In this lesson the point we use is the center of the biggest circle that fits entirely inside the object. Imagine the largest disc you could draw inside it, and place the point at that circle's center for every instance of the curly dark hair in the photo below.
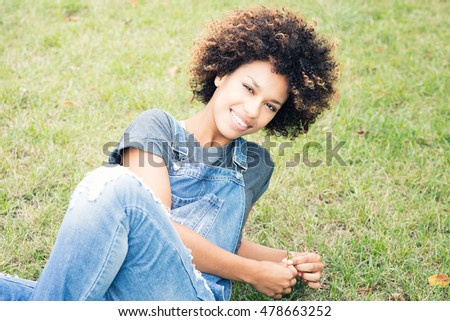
(282, 38)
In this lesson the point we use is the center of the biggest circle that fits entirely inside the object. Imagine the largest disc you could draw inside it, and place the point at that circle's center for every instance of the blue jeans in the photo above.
(116, 242)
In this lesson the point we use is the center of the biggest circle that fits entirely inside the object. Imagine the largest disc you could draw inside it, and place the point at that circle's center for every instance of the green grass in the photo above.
(74, 74)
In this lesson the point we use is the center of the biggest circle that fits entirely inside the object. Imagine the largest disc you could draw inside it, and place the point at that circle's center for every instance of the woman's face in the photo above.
(248, 99)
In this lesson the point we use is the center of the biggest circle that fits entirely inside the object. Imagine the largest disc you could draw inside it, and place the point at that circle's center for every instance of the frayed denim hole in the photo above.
(96, 181)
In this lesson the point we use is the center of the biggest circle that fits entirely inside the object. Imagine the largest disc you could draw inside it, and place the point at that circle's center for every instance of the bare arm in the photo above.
(269, 278)
(255, 251)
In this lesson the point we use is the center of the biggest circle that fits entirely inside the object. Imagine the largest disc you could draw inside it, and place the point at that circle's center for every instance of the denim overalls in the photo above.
(211, 201)
(116, 241)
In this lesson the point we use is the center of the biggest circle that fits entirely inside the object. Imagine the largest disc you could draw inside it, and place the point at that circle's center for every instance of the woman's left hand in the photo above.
(309, 267)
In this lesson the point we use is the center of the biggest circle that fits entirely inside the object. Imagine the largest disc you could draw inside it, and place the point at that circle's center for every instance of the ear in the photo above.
(218, 81)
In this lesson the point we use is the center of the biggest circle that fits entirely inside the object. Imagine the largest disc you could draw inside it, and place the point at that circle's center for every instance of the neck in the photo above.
(204, 128)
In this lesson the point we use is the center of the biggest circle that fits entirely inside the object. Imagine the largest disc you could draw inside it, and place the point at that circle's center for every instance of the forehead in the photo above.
(262, 72)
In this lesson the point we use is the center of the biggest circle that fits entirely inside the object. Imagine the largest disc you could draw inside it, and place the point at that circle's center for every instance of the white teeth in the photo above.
(238, 120)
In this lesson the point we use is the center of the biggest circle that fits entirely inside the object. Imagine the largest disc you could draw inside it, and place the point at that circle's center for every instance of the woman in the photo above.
(164, 221)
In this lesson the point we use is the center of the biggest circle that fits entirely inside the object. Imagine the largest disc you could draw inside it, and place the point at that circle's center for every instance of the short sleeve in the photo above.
(150, 132)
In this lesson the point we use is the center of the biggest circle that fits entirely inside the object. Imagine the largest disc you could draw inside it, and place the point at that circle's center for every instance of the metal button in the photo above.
(176, 167)
(238, 175)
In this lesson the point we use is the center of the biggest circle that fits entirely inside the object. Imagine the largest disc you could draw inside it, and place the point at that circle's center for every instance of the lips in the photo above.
(241, 122)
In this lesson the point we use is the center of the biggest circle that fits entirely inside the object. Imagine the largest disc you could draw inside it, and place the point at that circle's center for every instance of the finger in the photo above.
(310, 267)
(313, 285)
(293, 270)
(287, 290)
(287, 262)
(306, 258)
(312, 277)
(293, 282)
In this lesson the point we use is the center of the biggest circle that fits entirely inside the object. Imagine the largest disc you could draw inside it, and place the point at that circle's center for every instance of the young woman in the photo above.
(164, 220)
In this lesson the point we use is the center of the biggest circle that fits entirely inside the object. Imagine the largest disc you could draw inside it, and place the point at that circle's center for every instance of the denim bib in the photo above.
(209, 200)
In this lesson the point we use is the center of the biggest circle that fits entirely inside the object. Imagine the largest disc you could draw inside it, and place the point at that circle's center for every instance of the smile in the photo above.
(240, 121)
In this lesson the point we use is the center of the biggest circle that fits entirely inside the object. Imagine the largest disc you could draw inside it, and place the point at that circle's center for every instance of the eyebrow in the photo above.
(259, 87)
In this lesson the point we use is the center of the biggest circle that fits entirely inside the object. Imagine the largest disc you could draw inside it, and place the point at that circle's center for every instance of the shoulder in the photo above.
(152, 131)
(156, 113)
(155, 116)
(152, 122)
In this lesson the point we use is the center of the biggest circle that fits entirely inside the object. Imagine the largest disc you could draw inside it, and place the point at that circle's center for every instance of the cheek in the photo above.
(230, 95)
(263, 121)
(268, 117)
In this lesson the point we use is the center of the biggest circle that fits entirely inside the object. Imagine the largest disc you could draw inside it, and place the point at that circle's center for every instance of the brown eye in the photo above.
(249, 89)
(271, 107)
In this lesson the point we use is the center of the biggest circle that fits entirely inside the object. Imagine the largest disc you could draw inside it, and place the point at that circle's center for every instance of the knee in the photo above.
(113, 188)
(103, 178)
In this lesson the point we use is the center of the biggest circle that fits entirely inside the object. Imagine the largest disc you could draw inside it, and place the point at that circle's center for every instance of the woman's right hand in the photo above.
(273, 279)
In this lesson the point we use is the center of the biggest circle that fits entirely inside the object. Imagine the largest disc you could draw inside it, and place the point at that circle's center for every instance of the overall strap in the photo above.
(240, 154)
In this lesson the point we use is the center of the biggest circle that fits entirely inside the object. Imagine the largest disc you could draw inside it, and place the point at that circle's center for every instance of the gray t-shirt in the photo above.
(153, 132)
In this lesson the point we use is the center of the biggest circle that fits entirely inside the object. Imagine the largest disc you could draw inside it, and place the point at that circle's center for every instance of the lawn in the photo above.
(74, 74)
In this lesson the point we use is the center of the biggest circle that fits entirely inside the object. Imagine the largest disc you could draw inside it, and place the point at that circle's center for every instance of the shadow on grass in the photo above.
(245, 292)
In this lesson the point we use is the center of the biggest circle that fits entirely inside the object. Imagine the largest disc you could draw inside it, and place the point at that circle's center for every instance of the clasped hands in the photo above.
(277, 279)
(307, 266)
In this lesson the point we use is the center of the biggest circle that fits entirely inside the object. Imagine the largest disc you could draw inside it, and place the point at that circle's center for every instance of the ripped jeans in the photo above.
(116, 242)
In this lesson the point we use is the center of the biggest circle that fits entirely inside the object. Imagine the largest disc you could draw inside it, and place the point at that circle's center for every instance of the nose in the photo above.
(252, 108)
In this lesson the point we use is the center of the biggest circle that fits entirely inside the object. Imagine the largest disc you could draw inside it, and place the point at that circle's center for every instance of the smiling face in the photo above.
(246, 100)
